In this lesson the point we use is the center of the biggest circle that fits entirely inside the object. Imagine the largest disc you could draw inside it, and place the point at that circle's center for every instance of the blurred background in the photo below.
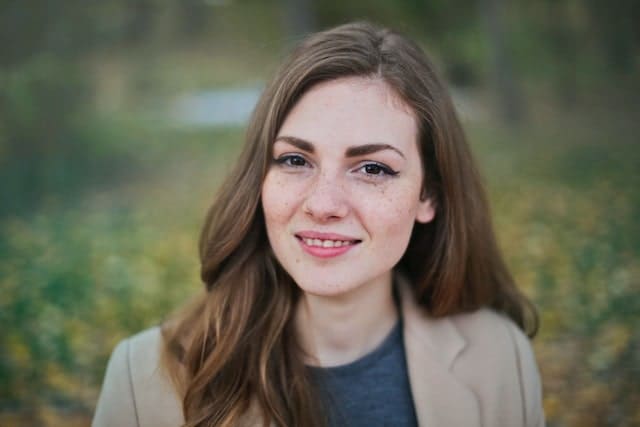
(118, 119)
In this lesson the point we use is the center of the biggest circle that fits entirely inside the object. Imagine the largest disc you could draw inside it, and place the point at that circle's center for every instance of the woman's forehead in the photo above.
(351, 111)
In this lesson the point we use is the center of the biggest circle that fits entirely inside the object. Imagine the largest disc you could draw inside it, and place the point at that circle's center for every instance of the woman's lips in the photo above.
(325, 245)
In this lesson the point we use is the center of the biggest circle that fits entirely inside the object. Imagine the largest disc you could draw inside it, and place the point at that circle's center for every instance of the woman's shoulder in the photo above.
(480, 337)
(493, 338)
(487, 328)
(143, 350)
(482, 351)
(497, 352)
(473, 334)
(136, 391)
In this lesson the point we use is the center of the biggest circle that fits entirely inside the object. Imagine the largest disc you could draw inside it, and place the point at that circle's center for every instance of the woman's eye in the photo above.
(292, 160)
(377, 169)
(373, 169)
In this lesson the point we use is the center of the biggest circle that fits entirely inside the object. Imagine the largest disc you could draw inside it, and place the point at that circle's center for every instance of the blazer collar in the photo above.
(432, 346)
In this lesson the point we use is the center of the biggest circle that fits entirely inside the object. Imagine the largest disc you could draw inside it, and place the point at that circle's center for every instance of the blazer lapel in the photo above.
(431, 346)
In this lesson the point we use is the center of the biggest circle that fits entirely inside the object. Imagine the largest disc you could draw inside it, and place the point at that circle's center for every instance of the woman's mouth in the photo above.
(325, 246)
(327, 243)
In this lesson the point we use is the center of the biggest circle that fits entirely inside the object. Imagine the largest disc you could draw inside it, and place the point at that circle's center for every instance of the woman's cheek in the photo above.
(280, 195)
(399, 220)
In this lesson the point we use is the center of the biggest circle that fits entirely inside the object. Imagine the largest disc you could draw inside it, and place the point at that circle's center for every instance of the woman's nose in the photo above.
(325, 200)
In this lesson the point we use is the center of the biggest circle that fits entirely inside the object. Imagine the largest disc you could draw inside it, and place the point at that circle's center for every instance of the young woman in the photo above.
(352, 275)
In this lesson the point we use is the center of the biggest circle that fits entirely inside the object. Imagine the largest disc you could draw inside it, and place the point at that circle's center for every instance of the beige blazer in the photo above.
(471, 370)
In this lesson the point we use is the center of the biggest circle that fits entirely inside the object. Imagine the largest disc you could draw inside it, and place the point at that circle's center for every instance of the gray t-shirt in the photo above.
(371, 391)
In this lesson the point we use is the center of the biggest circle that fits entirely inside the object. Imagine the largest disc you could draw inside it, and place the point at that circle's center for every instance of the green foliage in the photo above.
(52, 146)
(77, 277)
(565, 209)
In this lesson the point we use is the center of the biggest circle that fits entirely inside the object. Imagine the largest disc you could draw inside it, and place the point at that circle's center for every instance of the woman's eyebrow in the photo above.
(359, 150)
(362, 150)
(297, 142)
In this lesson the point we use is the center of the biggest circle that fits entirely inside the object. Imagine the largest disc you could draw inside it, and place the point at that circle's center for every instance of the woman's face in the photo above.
(343, 191)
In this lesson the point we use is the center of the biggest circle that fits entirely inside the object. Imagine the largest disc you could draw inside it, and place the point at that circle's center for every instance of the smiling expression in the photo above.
(343, 191)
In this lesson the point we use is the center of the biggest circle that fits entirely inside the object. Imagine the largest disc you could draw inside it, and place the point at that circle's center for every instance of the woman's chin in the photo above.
(327, 290)
(343, 289)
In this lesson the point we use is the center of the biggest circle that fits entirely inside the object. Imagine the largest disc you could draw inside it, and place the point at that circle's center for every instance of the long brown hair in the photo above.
(235, 349)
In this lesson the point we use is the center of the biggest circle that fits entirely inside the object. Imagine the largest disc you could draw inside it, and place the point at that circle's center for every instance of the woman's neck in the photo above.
(335, 330)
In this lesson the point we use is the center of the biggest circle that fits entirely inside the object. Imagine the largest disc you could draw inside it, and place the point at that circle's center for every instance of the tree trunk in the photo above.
(509, 95)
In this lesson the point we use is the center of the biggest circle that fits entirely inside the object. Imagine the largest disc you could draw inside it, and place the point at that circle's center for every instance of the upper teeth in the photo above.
(326, 243)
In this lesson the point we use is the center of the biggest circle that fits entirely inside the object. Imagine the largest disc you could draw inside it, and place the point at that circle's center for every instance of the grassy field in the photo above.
(79, 274)
(564, 191)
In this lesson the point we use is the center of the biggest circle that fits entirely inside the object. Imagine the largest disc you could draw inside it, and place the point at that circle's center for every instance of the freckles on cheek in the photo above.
(398, 214)
(274, 197)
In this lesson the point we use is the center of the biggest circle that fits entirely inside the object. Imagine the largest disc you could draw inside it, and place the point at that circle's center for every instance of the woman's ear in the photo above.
(426, 210)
